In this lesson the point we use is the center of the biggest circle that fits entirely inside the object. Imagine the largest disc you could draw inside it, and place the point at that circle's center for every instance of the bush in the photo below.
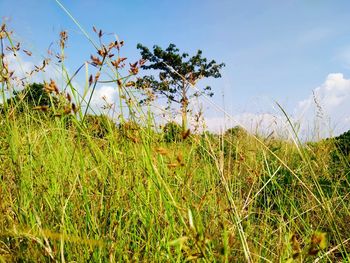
(343, 143)
(236, 131)
(33, 95)
(99, 125)
(172, 132)
(130, 130)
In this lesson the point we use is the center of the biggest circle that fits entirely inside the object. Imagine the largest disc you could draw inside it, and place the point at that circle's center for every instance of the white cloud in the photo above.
(327, 109)
(324, 113)
(104, 97)
(104, 100)
(22, 67)
(18, 65)
(256, 123)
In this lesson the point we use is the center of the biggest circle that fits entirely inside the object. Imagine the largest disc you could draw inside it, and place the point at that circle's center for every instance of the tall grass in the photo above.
(75, 188)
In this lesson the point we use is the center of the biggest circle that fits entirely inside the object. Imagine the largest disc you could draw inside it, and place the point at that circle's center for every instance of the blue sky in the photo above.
(273, 50)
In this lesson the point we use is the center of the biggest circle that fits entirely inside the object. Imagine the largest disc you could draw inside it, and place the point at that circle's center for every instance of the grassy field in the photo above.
(79, 188)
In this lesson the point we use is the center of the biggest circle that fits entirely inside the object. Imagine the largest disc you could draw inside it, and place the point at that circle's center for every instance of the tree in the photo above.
(33, 95)
(343, 143)
(235, 132)
(176, 74)
(172, 132)
(42, 97)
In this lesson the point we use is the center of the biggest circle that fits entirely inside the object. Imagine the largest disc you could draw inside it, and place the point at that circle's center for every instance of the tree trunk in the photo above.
(184, 105)
(184, 118)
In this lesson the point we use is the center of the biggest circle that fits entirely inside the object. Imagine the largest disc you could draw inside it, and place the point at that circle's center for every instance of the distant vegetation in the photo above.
(343, 143)
(81, 187)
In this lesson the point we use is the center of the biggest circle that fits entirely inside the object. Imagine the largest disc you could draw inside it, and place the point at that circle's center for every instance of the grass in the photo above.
(77, 188)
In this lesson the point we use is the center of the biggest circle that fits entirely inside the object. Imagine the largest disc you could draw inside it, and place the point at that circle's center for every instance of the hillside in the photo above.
(127, 194)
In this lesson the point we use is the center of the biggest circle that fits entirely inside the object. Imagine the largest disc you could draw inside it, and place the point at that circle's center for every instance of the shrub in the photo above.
(235, 132)
(343, 143)
(99, 125)
(129, 130)
(33, 95)
(172, 132)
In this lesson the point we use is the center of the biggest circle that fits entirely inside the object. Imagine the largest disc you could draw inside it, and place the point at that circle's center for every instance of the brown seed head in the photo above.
(134, 139)
(69, 98)
(42, 108)
(295, 243)
(118, 63)
(313, 251)
(27, 52)
(180, 158)
(90, 80)
(63, 38)
(134, 68)
(54, 86)
(97, 76)
(102, 52)
(74, 108)
(162, 151)
(130, 84)
(48, 88)
(142, 62)
(95, 61)
(172, 165)
(185, 134)
(2, 35)
(67, 109)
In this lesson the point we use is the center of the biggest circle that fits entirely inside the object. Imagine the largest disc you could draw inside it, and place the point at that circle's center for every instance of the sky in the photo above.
(295, 53)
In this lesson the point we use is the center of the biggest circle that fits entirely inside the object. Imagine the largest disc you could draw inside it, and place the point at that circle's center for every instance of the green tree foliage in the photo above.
(340, 157)
(99, 126)
(343, 143)
(235, 132)
(130, 130)
(172, 132)
(176, 73)
(33, 95)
